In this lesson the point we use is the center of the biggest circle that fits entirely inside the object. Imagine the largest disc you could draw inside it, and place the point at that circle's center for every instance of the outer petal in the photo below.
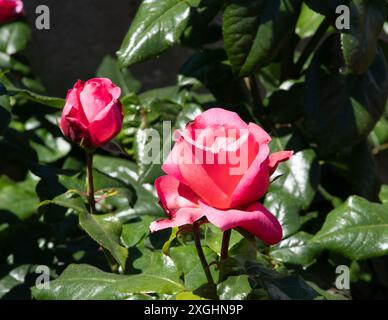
(254, 184)
(218, 116)
(174, 195)
(171, 165)
(96, 96)
(182, 217)
(107, 124)
(256, 219)
(276, 158)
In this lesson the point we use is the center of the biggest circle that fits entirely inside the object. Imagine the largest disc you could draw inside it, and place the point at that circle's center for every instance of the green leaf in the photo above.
(213, 238)
(286, 210)
(359, 43)
(134, 232)
(84, 282)
(48, 147)
(57, 103)
(358, 229)
(384, 194)
(14, 37)
(19, 199)
(255, 31)
(308, 22)
(14, 280)
(106, 231)
(157, 26)
(294, 189)
(187, 262)
(110, 68)
(8, 62)
(146, 202)
(234, 288)
(341, 110)
(297, 249)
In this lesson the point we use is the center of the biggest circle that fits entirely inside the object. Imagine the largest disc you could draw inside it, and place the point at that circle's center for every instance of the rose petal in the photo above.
(254, 184)
(107, 124)
(218, 116)
(276, 158)
(182, 217)
(174, 195)
(256, 219)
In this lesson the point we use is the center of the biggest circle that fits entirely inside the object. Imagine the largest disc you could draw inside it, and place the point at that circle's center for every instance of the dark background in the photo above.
(82, 33)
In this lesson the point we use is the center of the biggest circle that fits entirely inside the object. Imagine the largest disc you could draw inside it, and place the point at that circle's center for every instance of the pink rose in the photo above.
(10, 10)
(205, 180)
(93, 114)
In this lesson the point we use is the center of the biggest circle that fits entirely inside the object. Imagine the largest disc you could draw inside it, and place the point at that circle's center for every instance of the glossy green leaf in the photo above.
(157, 26)
(341, 110)
(146, 202)
(213, 238)
(359, 43)
(234, 288)
(106, 231)
(299, 177)
(357, 229)
(187, 262)
(286, 210)
(255, 31)
(41, 99)
(134, 232)
(308, 22)
(14, 37)
(84, 282)
(297, 249)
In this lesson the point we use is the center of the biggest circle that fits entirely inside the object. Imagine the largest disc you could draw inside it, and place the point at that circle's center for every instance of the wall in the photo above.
(82, 33)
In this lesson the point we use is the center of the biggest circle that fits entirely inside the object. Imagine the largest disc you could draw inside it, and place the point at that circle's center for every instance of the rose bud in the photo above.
(93, 114)
(10, 10)
(204, 180)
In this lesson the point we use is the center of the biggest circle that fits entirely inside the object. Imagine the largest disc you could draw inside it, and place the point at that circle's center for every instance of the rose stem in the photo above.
(201, 255)
(90, 185)
(224, 252)
(225, 244)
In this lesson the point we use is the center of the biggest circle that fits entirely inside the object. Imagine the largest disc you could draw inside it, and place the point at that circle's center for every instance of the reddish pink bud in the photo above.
(93, 114)
(10, 10)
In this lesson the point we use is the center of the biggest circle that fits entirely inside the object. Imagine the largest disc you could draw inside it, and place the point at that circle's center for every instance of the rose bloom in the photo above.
(202, 179)
(10, 10)
(93, 114)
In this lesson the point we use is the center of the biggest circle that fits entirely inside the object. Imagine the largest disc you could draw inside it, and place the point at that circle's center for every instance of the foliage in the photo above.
(280, 63)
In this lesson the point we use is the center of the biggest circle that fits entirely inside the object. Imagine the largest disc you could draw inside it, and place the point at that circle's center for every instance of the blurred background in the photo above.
(100, 26)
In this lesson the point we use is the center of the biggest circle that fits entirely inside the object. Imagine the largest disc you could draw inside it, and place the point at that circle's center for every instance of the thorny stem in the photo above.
(201, 255)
